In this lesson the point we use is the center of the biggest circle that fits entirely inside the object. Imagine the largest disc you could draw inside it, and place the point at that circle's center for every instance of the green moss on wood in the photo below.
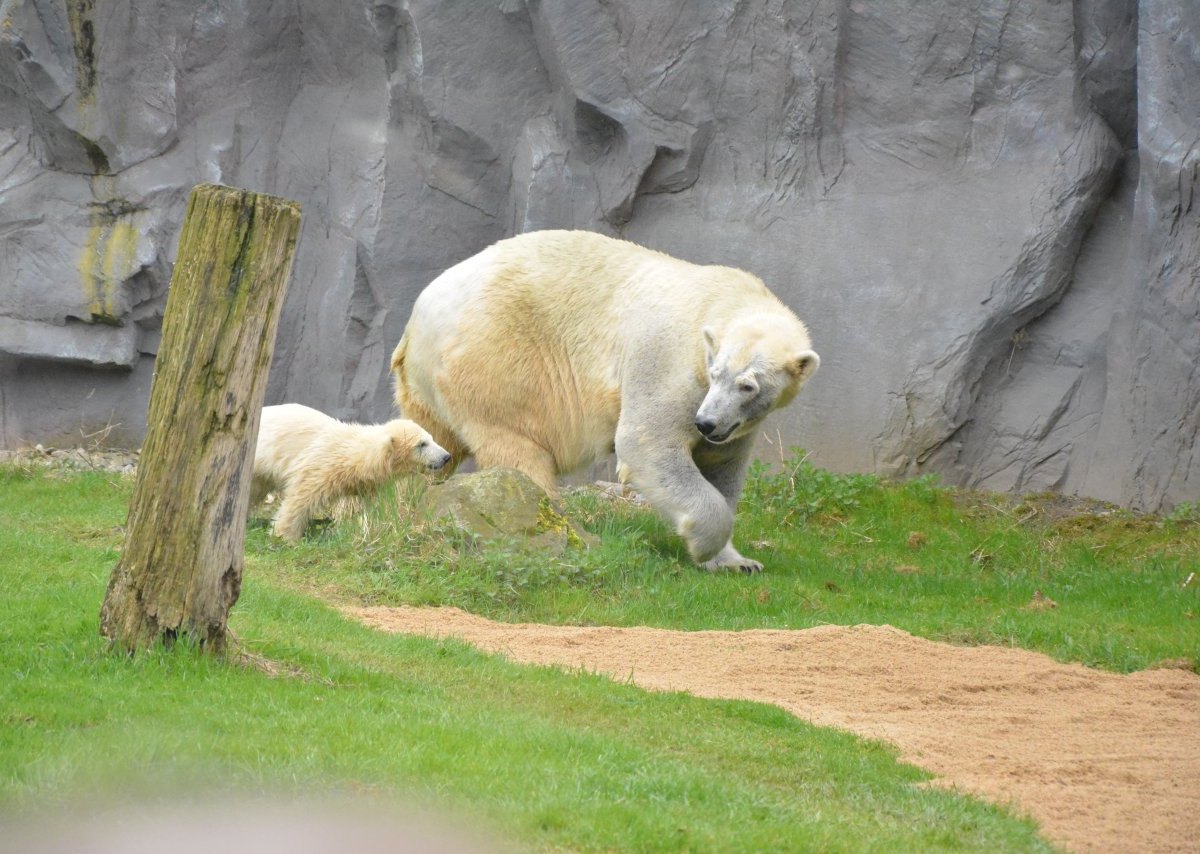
(180, 571)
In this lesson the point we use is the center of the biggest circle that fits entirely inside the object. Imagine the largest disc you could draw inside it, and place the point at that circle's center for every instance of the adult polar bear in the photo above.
(546, 351)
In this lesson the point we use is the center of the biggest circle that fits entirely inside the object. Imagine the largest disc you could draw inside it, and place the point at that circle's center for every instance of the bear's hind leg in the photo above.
(519, 452)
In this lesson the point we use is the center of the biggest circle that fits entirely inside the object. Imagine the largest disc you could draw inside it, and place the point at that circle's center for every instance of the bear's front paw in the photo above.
(729, 560)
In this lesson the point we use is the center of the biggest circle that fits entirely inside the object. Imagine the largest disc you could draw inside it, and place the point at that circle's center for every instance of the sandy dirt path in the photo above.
(1105, 762)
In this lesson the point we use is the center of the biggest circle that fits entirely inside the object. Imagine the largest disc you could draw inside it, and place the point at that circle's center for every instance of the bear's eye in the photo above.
(422, 445)
(747, 387)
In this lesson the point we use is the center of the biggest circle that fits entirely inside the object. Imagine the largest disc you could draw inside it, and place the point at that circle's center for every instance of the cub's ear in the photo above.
(803, 365)
(710, 345)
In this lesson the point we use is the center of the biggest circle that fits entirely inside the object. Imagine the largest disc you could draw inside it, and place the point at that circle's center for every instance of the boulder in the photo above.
(501, 504)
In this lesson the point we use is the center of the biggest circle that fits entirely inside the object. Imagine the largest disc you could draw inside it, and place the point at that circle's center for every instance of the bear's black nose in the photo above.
(705, 426)
(445, 458)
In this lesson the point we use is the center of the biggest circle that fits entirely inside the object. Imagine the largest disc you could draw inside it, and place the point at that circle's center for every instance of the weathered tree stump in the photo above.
(181, 568)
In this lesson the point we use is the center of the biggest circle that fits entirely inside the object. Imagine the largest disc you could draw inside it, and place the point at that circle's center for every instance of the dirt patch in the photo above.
(1104, 761)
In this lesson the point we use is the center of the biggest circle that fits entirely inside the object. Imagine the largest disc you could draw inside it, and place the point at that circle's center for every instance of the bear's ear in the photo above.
(710, 345)
(803, 365)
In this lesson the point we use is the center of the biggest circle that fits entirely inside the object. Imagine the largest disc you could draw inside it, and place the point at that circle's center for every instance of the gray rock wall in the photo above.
(982, 209)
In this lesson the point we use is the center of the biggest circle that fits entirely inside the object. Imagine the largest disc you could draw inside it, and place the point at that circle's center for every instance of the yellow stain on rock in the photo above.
(108, 257)
(7, 24)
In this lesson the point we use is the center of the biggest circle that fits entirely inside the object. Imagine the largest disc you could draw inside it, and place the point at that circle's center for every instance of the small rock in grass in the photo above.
(1041, 602)
(618, 491)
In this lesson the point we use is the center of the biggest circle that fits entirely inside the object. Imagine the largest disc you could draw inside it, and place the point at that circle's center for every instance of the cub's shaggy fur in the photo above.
(309, 459)
(546, 351)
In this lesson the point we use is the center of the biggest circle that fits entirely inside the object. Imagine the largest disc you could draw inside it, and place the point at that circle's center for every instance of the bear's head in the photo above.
(412, 448)
(755, 365)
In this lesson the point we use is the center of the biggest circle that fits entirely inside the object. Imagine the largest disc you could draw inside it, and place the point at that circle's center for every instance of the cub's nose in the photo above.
(705, 425)
(440, 462)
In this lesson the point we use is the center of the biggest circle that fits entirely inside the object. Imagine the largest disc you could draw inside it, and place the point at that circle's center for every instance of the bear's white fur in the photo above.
(547, 351)
(309, 459)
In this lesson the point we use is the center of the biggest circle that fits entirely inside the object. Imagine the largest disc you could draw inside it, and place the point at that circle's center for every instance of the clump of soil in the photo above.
(1103, 761)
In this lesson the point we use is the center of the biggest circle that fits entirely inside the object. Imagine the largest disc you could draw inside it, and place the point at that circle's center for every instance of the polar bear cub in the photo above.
(550, 350)
(310, 459)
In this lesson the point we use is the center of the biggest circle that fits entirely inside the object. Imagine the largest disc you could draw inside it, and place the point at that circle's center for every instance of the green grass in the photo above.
(842, 549)
(551, 759)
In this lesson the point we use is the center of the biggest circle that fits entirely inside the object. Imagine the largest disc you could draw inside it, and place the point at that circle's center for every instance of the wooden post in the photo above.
(181, 568)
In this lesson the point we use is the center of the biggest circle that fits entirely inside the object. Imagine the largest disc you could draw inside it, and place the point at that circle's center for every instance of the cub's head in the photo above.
(755, 365)
(413, 449)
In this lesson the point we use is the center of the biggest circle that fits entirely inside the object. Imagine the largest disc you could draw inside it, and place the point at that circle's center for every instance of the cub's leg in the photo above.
(303, 495)
(259, 488)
